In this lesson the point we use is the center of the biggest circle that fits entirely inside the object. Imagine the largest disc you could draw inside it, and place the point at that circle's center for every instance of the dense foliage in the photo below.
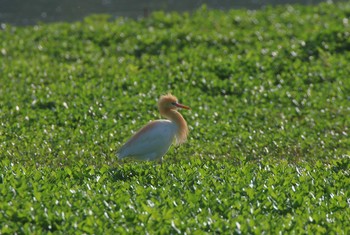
(269, 127)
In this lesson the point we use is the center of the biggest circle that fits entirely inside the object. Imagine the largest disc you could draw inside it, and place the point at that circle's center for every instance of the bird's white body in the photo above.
(151, 142)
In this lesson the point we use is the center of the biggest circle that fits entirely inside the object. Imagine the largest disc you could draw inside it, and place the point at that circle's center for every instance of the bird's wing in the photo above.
(155, 135)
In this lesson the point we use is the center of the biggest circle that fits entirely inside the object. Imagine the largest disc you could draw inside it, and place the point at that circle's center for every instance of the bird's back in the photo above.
(150, 142)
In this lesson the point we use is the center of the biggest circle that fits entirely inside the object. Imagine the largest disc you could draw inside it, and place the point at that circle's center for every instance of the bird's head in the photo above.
(169, 102)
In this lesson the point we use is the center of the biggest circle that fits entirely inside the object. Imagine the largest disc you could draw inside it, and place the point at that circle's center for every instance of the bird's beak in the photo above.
(182, 106)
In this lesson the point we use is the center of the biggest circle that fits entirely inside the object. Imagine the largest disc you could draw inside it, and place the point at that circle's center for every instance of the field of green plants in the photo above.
(269, 145)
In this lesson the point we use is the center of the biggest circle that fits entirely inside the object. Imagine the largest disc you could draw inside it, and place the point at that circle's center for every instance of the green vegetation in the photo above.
(269, 126)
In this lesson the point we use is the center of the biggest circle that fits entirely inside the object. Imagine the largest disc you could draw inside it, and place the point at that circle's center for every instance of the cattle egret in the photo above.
(152, 141)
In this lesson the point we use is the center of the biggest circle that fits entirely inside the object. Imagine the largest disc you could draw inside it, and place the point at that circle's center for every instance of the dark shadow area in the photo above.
(19, 12)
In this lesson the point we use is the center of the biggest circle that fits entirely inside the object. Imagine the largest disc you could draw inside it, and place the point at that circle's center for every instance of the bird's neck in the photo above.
(177, 118)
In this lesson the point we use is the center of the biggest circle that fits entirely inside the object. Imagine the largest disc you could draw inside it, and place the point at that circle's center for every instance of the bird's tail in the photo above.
(120, 154)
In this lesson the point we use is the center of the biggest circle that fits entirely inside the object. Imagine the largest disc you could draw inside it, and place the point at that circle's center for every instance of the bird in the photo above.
(153, 141)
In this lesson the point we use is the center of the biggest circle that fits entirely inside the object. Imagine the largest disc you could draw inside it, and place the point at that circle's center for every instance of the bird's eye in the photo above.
(173, 103)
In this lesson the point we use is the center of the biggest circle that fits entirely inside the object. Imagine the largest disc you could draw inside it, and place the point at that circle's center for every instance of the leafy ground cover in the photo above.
(269, 142)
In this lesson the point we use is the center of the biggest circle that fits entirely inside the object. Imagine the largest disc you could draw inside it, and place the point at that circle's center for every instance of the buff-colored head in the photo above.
(169, 102)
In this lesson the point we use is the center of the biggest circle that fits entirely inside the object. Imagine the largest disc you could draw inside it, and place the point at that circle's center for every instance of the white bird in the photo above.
(152, 141)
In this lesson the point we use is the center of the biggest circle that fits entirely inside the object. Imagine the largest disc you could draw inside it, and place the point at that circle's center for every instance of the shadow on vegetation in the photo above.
(341, 165)
(45, 105)
(120, 173)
